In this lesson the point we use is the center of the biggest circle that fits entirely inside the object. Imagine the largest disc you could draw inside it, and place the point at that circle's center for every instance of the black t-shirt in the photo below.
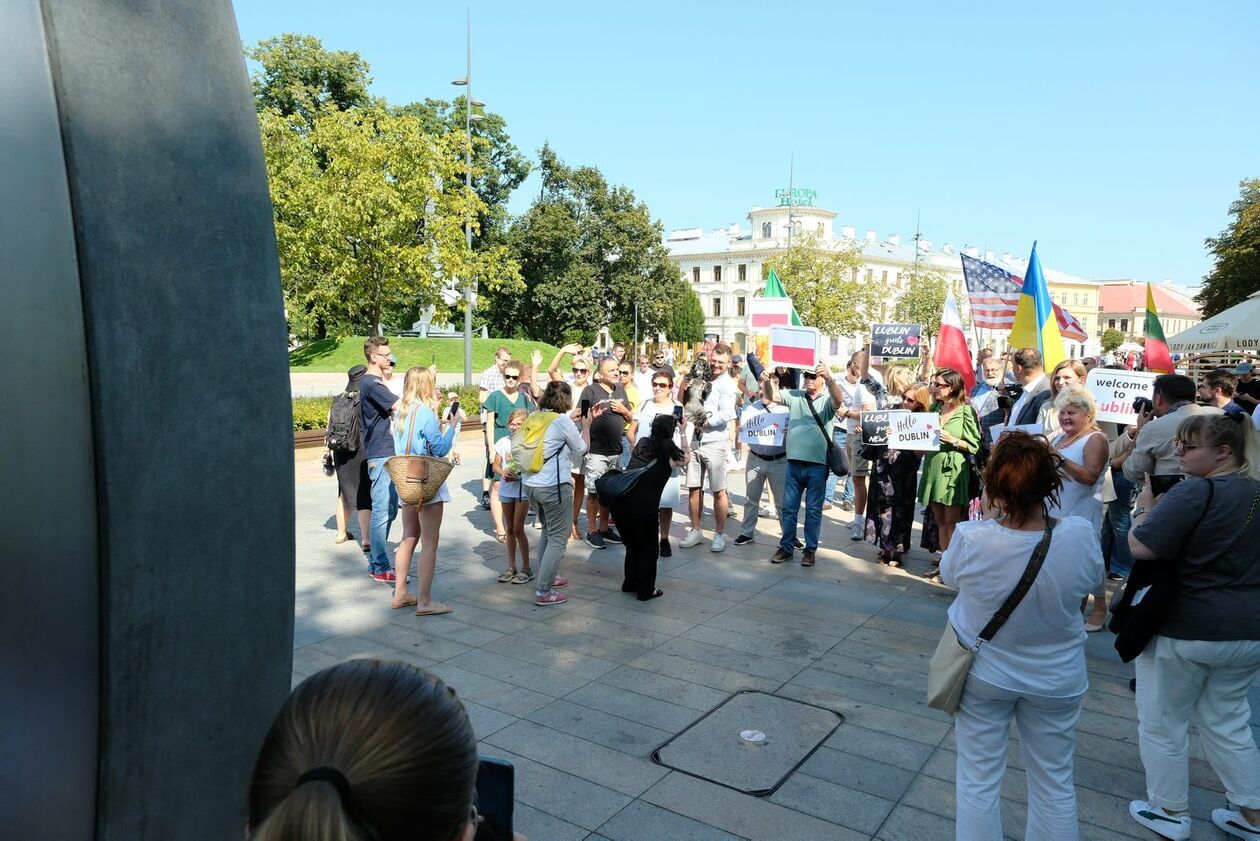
(375, 401)
(1251, 389)
(664, 369)
(645, 496)
(607, 429)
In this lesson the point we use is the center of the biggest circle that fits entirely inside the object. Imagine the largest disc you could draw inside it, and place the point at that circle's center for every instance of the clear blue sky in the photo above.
(1114, 133)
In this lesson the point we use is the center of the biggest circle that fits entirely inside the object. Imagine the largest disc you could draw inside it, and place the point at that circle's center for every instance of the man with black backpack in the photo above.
(347, 455)
(376, 406)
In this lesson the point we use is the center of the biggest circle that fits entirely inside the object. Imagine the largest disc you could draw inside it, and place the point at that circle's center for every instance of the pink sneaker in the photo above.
(544, 599)
(383, 577)
(560, 581)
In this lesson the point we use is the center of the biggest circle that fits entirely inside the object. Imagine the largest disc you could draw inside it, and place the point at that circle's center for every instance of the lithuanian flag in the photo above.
(1155, 351)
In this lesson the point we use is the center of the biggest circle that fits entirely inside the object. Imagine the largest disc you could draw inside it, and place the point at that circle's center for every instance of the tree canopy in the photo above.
(923, 302)
(1111, 339)
(826, 287)
(298, 76)
(588, 252)
(686, 322)
(1236, 274)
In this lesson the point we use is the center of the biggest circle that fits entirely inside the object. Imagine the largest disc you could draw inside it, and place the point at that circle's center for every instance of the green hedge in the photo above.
(312, 412)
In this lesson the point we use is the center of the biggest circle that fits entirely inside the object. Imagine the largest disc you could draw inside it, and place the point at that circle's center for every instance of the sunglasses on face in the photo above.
(660, 385)
(580, 370)
(511, 378)
(627, 373)
(807, 375)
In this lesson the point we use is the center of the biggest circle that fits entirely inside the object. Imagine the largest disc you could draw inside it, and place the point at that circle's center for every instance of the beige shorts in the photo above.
(711, 457)
(595, 466)
(858, 466)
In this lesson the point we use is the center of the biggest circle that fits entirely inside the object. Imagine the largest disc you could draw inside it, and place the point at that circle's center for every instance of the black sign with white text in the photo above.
(896, 341)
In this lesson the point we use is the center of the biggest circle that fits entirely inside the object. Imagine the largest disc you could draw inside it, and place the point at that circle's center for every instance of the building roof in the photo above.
(1130, 296)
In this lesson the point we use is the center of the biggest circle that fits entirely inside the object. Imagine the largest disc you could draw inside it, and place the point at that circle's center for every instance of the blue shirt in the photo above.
(375, 404)
(426, 436)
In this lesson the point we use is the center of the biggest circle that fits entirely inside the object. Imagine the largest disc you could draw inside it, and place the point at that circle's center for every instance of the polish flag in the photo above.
(795, 347)
(767, 312)
(951, 345)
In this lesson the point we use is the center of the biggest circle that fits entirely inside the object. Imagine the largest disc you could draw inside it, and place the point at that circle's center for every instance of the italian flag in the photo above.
(951, 347)
(1155, 351)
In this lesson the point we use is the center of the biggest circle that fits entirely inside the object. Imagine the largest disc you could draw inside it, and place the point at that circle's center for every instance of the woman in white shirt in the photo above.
(1033, 670)
(662, 402)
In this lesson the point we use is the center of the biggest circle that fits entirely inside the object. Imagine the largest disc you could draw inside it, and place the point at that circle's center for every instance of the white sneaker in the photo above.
(719, 543)
(1233, 823)
(764, 511)
(693, 537)
(1154, 818)
(858, 530)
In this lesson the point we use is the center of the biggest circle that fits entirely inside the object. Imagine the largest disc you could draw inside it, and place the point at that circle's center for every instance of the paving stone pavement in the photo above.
(579, 695)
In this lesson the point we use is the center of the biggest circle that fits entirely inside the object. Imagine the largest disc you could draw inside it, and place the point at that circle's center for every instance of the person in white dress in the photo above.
(1084, 449)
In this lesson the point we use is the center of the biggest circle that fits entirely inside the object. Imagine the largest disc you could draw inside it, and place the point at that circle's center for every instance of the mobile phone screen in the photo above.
(586, 406)
(495, 784)
(678, 413)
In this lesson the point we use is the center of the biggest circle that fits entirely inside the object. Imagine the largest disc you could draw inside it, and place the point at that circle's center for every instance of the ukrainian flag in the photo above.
(1035, 324)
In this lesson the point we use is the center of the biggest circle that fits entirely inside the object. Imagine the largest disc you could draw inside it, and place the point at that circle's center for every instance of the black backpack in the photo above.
(344, 432)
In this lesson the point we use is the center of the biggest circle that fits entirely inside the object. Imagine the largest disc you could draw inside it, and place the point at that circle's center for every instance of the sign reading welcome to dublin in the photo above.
(796, 196)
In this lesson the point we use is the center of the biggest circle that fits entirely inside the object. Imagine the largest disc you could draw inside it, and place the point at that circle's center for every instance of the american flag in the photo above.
(993, 294)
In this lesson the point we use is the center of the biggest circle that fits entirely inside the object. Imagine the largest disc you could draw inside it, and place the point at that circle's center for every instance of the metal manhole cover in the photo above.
(750, 742)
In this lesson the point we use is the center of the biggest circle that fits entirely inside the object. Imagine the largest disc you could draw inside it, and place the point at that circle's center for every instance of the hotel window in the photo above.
(884, 278)
(765, 230)
(1124, 325)
(717, 274)
(1111, 324)
(739, 305)
(695, 275)
(717, 307)
(743, 274)
(870, 275)
(1076, 299)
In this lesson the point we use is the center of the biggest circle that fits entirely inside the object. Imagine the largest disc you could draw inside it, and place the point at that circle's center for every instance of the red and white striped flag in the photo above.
(951, 346)
(993, 294)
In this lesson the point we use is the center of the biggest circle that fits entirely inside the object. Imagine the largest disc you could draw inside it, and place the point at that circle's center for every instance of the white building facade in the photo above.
(726, 268)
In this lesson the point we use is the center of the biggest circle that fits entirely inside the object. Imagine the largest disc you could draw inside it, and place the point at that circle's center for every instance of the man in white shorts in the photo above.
(710, 448)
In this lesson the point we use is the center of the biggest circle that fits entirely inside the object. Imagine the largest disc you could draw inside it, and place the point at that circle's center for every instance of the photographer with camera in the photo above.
(1149, 442)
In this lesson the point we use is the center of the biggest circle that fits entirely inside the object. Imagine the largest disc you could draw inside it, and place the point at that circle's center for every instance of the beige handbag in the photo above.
(417, 478)
(951, 662)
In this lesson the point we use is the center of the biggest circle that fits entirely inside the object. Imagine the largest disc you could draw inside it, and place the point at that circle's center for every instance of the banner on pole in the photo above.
(1114, 391)
(794, 347)
(916, 431)
(896, 341)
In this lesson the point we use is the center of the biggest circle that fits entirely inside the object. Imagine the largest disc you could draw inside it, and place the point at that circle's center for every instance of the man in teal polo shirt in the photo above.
(807, 458)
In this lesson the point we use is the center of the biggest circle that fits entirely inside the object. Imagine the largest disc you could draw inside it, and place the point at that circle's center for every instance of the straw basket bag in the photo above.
(417, 478)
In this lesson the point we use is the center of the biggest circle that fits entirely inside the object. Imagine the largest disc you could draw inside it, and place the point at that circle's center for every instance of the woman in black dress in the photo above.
(894, 479)
(636, 512)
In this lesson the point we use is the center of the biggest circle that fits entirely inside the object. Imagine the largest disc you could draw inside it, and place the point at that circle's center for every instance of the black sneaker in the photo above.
(780, 556)
(798, 543)
(612, 535)
(743, 540)
(807, 559)
(485, 500)
(595, 540)
(666, 551)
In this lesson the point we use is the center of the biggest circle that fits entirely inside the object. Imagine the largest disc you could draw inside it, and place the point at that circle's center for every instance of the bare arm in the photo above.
(553, 370)
(1095, 462)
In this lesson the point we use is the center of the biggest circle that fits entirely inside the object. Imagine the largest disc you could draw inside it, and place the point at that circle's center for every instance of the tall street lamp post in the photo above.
(470, 284)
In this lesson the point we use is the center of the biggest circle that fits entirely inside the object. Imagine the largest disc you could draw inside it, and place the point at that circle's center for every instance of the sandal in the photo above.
(500, 536)
(343, 537)
(656, 594)
(407, 602)
(435, 609)
(506, 576)
(895, 563)
(523, 577)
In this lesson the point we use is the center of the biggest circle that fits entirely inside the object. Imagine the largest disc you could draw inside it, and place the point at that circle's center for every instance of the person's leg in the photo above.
(579, 493)
(815, 486)
(516, 526)
(982, 728)
(402, 556)
(721, 505)
(509, 542)
(342, 514)
(496, 510)
(382, 514)
(777, 475)
(947, 516)
(596, 513)
(645, 563)
(488, 475)
(1047, 738)
(1223, 716)
(754, 483)
(430, 534)
(553, 506)
(793, 485)
(666, 518)
(1168, 688)
(365, 522)
(1120, 513)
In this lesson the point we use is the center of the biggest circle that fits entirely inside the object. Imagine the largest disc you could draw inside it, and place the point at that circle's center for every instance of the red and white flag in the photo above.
(764, 313)
(951, 345)
(794, 347)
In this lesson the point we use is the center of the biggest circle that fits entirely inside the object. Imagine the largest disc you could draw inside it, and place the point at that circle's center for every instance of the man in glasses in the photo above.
(660, 364)
(491, 381)
(643, 377)
(606, 411)
(376, 405)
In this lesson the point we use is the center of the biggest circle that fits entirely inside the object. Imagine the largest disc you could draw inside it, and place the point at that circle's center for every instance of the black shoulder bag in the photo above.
(837, 457)
(1148, 595)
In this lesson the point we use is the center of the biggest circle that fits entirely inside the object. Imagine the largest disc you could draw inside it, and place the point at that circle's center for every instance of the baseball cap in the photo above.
(737, 360)
(1244, 368)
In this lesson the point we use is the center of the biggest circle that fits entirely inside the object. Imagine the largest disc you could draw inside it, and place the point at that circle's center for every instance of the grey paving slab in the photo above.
(534, 823)
(906, 822)
(832, 802)
(557, 793)
(729, 658)
(554, 654)
(799, 639)
(606, 629)
(626, 704)
(872, 716)
(580, 757)
(684, 693)
(486, 720)
(684, 668)
(799, 652)
(642, 821)
(491, 692)
(517, 672)
(859, 773)
(600, 727)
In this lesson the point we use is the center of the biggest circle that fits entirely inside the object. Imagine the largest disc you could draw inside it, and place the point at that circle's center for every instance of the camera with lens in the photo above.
(1008, 395)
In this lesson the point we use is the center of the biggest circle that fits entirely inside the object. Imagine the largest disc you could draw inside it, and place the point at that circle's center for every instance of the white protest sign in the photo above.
(1115, 390)
(764, 428)
(916, 431)
(794, 347)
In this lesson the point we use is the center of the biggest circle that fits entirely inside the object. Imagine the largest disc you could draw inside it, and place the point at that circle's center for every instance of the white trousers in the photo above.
(1206, 680)
(1047, 739)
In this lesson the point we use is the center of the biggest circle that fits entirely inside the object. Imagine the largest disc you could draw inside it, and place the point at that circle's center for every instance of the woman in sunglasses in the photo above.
(498, 408)
(944, 486)
(662, 402)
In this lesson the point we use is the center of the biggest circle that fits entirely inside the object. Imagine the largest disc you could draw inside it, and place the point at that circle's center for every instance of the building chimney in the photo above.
(734, 229)
(848, 232)
(870, 236)
(971, 251)
(894, 239)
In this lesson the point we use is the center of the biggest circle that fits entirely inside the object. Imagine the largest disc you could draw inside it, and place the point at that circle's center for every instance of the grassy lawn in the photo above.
(339, 355)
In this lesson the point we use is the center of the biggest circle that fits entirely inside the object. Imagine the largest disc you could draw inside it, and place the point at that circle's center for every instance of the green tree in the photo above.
(924, 299)
(1111, 339)
(588, 252)
(1236, 274)
(686, 323)
(365, 231)
(826, 286)
(298, 76)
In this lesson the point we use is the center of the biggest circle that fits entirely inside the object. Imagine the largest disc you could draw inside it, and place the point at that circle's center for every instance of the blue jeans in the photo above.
(384, 509)
(841, 438)
(1116, 526)
(809, 480)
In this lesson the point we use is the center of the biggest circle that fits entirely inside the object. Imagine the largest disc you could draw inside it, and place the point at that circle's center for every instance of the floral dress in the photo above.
(890, 504)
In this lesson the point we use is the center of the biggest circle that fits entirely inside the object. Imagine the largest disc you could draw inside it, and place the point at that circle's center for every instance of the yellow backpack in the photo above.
(527, 441)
